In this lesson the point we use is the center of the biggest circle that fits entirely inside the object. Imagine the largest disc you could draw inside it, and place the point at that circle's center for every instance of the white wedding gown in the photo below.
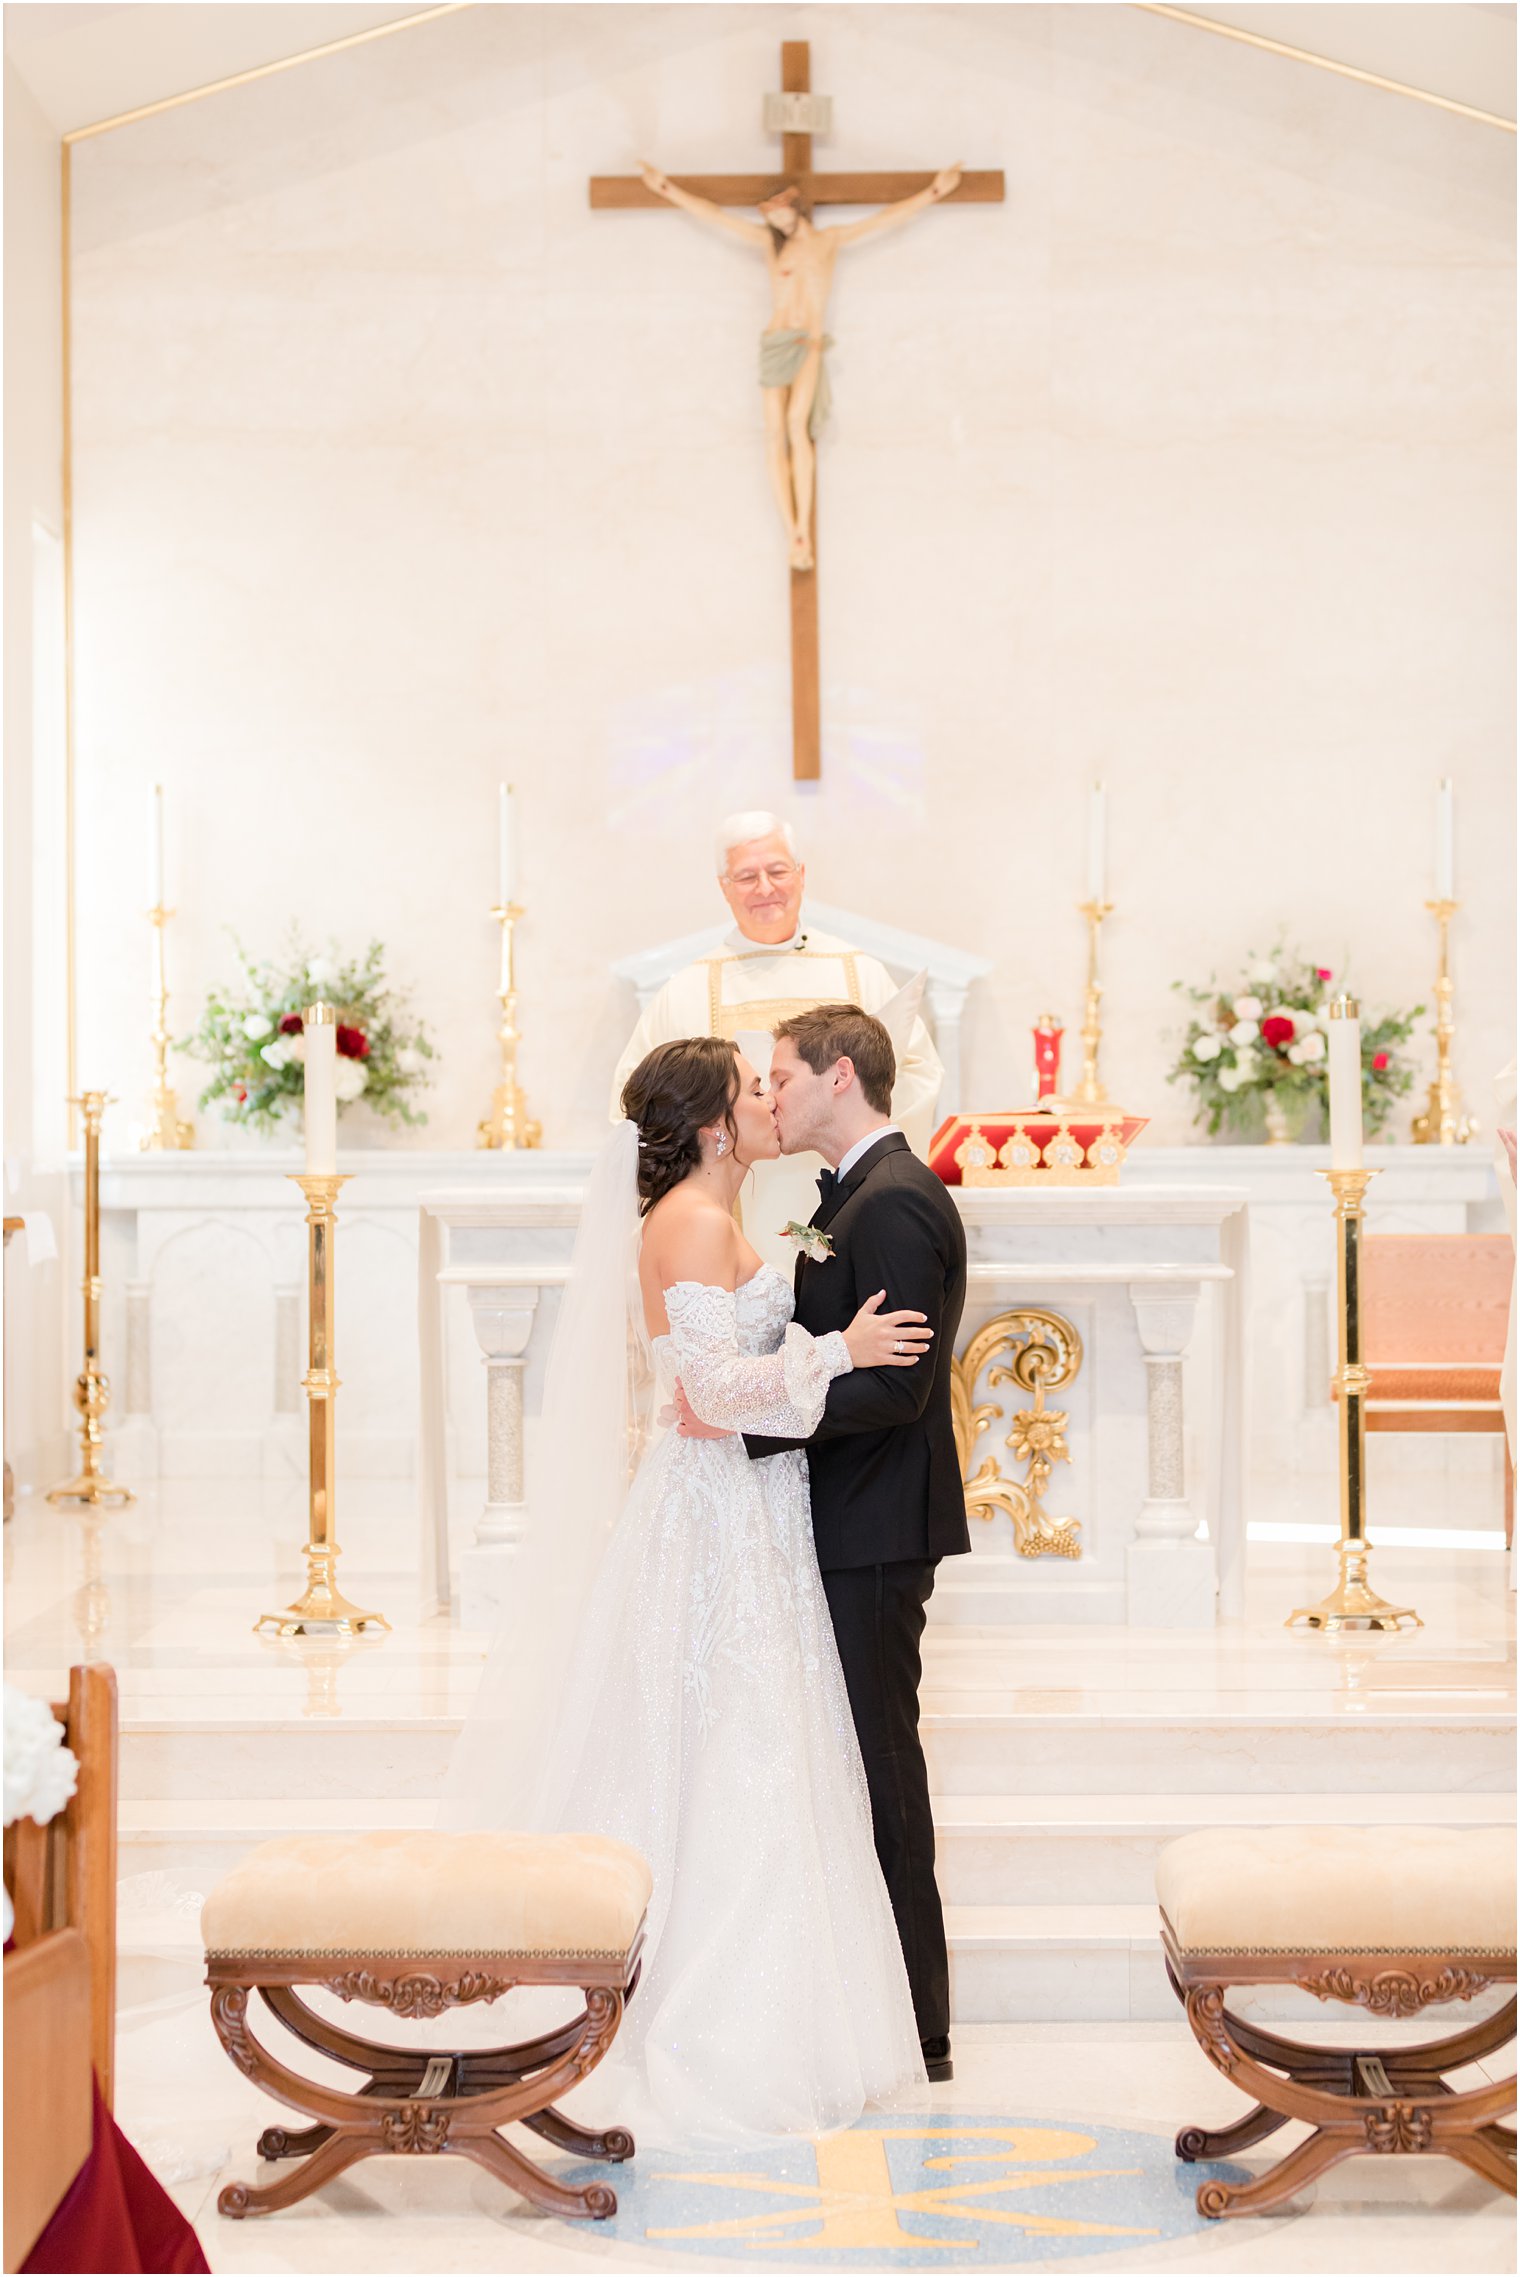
(707, 1724)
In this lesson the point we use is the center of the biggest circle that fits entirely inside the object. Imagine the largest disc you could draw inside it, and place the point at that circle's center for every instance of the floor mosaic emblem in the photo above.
(939, 2191)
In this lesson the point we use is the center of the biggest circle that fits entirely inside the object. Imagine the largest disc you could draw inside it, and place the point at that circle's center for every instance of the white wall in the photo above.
(33, 1126)
(399, 470)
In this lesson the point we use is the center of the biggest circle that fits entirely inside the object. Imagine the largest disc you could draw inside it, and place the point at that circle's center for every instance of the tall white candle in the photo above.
(156, 848)
(1345, 1040)
(320, 1028)
(1097, 864)
(1446, 841)
(507, 847)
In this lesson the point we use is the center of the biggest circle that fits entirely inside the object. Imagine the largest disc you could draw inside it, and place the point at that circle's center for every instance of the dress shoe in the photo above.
(937, 2059)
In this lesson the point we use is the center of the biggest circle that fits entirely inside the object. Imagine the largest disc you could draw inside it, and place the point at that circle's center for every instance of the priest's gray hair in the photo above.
(751, 823)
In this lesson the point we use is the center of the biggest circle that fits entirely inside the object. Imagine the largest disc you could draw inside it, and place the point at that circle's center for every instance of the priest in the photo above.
(769, 967)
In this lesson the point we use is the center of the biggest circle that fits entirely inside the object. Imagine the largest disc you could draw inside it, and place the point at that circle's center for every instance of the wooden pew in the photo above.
(60, 1976)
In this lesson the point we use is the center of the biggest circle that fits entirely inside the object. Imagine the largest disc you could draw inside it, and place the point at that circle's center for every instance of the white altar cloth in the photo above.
(1128, 1265)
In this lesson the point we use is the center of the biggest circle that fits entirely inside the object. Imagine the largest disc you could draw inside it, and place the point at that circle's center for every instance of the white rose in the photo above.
(352, 1076)
(1207, 1048)
(1244, 1030)
(40, 1773)
(1296, 1054)
(1262, 975)
(1313, 1046)
(295, 1047)
(255, 1026)
(410, 1062)
(1245, 1066)
(320, 970)
(276, 1054)
(1229, 1079)
(1248, 1007)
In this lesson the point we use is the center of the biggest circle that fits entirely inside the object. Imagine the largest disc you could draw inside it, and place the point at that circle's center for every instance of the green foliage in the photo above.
(257, 1075)
(1265, 1036)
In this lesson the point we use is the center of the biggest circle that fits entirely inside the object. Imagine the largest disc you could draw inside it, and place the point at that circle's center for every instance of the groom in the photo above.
(887, 1497)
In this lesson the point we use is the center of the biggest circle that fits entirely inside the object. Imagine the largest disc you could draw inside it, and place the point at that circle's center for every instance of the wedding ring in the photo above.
(898, 1346)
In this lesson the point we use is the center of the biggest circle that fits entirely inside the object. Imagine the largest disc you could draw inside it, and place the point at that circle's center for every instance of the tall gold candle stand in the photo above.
(1441, 1121)
(1090, 1092)
(92, 1390)
(168, 1133)
(1353, 1603)
(322, 1610)
(509, 1124)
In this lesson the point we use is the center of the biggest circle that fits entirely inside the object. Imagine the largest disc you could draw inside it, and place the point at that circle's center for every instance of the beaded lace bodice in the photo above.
(742, 1361)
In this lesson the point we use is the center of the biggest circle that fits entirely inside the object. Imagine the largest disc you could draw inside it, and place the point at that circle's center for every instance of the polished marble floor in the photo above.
(1074, 2096)
(228, 1737)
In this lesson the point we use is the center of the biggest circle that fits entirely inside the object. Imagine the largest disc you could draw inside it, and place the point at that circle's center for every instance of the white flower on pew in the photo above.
(40, 1772)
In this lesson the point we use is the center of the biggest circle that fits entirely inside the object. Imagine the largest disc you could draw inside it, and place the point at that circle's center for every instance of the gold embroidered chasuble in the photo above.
(743, 987)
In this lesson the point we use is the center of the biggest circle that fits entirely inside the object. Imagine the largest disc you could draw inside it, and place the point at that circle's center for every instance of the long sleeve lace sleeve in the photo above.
(778, 1394)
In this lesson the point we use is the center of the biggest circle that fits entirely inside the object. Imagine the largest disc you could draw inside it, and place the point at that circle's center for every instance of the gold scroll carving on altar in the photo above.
(1036, 1352)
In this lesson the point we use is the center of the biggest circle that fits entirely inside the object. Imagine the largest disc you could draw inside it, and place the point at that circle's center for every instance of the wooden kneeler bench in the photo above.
(417, 1924)
(1389, 1919)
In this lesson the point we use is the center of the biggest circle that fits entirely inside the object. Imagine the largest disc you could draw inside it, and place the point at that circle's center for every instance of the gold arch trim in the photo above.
(1325, 63)
(266, 70)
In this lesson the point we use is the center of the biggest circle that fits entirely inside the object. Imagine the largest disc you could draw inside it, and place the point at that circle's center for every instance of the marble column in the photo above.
(503, 1322)
(1169, 1575)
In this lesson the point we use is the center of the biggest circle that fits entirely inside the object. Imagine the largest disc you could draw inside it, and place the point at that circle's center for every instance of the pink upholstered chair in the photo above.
(1435, 1311)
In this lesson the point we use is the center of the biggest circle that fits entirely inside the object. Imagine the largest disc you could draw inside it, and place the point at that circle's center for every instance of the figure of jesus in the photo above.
(795, 382)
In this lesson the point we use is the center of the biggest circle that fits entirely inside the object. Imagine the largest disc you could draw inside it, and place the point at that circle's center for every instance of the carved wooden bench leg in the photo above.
(1357, 2100)
(324, 2165)
(1217, 2200)
(597, 2201)
(615, 2145)
(1195, 2143)
(420, 2101)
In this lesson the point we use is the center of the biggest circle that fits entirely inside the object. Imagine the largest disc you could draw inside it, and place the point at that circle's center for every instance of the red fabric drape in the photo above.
(115, 2216)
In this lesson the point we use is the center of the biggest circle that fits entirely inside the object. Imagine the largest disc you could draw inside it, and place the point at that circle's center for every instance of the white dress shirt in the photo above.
(848, 1161)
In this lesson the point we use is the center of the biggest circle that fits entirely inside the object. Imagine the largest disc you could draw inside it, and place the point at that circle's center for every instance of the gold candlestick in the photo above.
(1441, 1121)
(1353, 1603)
(322, 1610)
(509, 1124)
(92, 1390)
(1090, 1092)
(168, 1132)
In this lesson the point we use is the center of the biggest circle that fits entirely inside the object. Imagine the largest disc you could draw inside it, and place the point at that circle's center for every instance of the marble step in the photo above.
(971, 1751)
(1102, 1849)
(992, 1849)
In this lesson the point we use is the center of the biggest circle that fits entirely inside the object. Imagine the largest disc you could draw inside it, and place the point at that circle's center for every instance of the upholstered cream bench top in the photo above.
(564, 1897)
(1356, 1889)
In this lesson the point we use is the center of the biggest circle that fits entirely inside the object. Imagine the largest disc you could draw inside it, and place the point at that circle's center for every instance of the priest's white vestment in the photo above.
(748, 986)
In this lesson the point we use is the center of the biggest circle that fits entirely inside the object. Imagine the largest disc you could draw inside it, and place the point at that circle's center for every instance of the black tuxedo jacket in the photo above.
(885, 1476)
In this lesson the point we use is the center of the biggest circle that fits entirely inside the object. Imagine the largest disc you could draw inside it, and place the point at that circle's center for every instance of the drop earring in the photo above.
(721, 1139)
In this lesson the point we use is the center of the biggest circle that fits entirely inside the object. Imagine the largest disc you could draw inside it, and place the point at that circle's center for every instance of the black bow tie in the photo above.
(827, 1181)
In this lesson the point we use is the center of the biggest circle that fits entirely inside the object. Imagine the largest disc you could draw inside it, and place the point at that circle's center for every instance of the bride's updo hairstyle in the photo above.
(670, 1095)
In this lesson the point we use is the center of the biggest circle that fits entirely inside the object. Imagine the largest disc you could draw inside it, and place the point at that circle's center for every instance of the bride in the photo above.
(668, 1674)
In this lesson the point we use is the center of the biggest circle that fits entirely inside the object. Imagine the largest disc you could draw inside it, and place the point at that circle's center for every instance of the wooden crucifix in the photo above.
(793, 347)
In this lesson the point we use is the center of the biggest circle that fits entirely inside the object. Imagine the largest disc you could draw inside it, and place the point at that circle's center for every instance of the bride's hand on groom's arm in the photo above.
(689, 1424)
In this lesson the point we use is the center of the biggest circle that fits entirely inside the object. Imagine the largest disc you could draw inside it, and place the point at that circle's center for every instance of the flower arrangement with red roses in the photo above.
(254, 1039)
(1258, 1051)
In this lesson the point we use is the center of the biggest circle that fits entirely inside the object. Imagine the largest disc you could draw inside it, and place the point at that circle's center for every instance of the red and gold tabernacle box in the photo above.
(1035, 1146)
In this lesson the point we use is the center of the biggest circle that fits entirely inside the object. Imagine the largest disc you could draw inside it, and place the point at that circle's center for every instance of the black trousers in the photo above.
(878, 1613)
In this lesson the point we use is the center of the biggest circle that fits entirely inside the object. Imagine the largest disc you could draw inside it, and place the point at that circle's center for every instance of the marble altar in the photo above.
(1161, 1539)
(203, 1265)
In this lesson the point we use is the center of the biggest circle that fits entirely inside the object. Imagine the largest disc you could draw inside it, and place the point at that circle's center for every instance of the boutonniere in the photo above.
(809, 1241)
